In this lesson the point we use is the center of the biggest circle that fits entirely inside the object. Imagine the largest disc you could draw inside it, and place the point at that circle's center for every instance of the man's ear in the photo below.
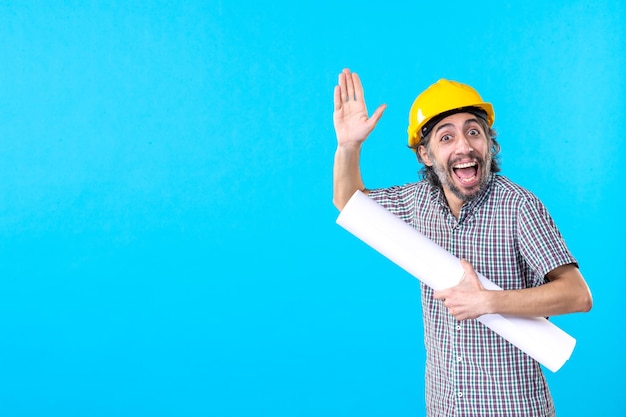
(424, 155)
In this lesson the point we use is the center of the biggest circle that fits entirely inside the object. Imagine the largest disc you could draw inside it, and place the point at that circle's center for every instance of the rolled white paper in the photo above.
(439, 269)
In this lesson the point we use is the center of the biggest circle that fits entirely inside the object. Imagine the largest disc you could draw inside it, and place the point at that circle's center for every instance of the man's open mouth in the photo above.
(466, 172)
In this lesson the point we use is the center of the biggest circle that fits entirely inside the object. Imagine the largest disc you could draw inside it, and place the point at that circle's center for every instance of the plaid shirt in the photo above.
(508, 236)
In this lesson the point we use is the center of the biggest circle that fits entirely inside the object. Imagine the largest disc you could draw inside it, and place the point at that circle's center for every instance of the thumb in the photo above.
(377, 114)
(468, 269)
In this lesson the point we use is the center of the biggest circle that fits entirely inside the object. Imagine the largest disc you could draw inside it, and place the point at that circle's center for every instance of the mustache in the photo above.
(473, 155)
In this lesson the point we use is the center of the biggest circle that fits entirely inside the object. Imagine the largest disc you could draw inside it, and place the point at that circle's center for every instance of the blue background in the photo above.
(168, 244)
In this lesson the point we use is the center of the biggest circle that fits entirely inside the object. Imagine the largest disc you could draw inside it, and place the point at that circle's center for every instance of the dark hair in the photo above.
(429, 174)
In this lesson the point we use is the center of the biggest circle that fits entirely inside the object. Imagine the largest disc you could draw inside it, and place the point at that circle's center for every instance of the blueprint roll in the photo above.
(439, 269)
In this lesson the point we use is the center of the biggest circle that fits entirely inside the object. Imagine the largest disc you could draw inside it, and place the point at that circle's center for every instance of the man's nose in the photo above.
(464, 145)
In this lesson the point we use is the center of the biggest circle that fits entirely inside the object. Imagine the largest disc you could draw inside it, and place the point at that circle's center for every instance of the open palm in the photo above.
(351, 121)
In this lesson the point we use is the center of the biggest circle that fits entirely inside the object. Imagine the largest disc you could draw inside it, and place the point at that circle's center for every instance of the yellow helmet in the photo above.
(442, 99)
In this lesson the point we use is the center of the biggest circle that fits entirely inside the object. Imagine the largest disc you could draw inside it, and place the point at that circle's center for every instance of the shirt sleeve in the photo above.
(540, 242)
(397, 199)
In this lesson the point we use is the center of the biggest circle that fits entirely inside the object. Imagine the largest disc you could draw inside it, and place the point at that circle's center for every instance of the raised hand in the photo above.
(351, 121)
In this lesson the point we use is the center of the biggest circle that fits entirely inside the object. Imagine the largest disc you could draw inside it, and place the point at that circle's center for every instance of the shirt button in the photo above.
(459, 359)
(460, 394)
(458, 327)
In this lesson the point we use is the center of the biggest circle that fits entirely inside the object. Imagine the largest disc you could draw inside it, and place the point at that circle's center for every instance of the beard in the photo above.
(444, 174)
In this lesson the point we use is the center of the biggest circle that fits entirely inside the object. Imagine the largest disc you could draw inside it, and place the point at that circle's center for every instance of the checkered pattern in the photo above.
(509, 237)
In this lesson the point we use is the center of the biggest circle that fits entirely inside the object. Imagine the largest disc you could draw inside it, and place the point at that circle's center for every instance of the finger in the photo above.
(465, 263)
(337, 99)
(439, 295)
(349, 85)
(468, 269)
(358, 87)
(343, 88)
(375, 117)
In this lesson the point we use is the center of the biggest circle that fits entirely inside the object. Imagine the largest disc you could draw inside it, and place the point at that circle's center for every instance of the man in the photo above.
(495, 227)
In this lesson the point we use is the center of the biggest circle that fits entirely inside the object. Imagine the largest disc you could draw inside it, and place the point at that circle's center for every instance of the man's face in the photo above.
(459, 154)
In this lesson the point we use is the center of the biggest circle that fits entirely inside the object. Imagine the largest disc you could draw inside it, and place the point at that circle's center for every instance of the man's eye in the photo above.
(473, 132)
(445, 138)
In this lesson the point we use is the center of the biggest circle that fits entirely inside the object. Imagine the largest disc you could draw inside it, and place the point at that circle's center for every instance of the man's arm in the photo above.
(565, 292)
(352, 127)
